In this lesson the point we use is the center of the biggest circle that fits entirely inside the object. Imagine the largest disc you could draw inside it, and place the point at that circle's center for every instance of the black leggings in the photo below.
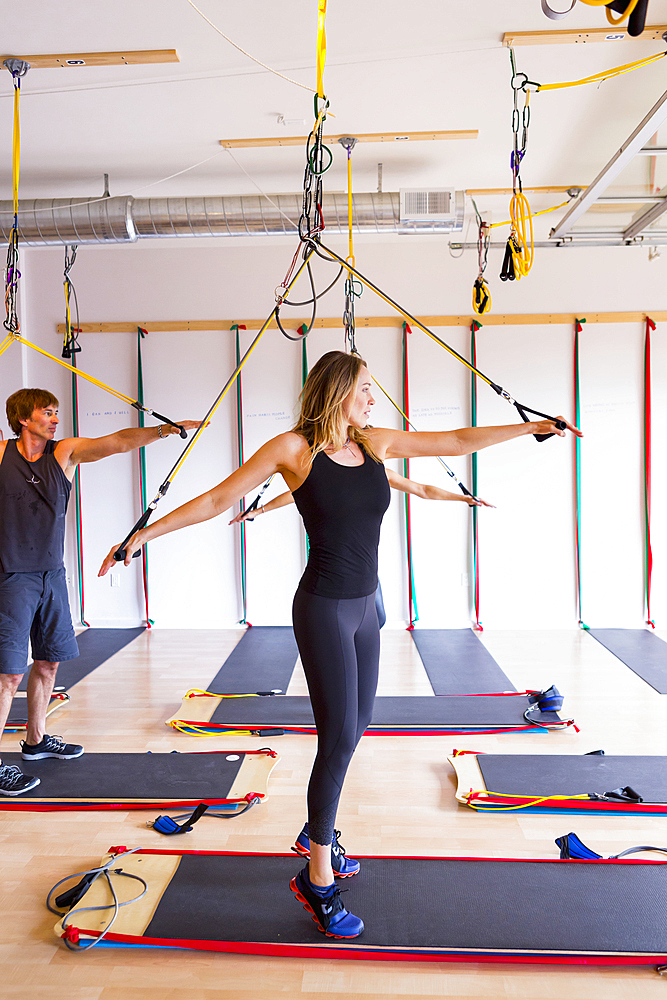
(339, 644)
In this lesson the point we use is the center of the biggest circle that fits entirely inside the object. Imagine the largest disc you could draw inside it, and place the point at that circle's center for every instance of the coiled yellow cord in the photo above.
(521, 237)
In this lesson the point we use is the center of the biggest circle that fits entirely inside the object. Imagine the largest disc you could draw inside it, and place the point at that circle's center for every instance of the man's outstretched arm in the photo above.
(75, 450)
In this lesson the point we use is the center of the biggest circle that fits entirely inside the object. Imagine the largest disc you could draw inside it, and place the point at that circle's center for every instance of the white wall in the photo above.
(526, 544)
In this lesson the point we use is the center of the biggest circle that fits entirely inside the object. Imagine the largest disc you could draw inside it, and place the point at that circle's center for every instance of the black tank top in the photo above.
(33, 504)
(342, 509)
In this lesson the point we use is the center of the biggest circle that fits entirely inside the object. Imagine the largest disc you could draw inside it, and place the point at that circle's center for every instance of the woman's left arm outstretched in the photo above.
(463, 441)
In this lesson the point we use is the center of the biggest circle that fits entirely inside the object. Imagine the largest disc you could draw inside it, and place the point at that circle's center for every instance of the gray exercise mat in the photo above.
(263, 660)
(125, 776)
(475, 905)
(457, 663)
(524, 774)
(96, 646)
(428, 711)
(641, 650)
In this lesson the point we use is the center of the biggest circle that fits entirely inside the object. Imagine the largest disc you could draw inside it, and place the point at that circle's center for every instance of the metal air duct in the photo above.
(126, 219)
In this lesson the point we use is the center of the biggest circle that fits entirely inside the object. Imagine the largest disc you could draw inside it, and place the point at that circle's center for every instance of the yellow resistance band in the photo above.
(393, 403)
(197, 433)
(626, 13)
(321, 46)
(605, 75)
(239, 367)
(16, 156)
(610, 17)
(77, 371)
(200, 693)
(350, 242)
(522, 229)
(533, 215)
(193, 730)
(479, 805)
(7, 342)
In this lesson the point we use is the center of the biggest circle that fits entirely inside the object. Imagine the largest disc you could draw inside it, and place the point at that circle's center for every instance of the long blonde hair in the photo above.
(321, 421)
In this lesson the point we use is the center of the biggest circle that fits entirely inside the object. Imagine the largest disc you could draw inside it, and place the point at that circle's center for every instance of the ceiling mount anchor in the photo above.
(105, 193)
(379, 178)
(17, 67)
(349, 142)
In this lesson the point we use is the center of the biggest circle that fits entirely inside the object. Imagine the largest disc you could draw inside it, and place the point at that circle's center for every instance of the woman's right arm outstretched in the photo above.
(282, 454)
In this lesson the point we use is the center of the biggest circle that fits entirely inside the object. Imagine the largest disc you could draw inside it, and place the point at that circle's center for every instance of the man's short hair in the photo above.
(22, 404)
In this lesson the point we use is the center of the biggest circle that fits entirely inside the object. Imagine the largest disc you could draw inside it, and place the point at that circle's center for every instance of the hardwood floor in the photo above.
(398, 799)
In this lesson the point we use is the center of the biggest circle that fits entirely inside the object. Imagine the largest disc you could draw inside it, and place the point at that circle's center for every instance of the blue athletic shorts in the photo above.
(35, 607)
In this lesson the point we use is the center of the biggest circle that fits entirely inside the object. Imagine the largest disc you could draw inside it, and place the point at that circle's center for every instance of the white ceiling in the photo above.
(391, 66)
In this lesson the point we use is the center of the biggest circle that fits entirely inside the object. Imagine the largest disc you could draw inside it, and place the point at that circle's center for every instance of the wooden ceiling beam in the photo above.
(651, 33)
(300, 140)
(126, 57)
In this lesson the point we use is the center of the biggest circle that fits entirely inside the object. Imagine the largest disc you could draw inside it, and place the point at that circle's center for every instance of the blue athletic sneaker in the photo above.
(326, 908)
(343, 867)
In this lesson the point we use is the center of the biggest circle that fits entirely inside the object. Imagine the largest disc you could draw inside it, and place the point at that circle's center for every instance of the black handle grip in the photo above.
(507, 270)
(253, 506)
(119, 554)
(560, 424)
(121, 551)
(183, 431)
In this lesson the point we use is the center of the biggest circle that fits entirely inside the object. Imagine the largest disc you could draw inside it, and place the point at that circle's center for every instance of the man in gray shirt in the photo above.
(36, 474)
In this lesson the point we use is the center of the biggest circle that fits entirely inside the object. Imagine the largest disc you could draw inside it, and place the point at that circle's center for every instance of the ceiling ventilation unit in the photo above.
(421, 208)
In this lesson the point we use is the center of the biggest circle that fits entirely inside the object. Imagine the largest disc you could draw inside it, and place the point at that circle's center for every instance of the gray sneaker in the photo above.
(14, 782)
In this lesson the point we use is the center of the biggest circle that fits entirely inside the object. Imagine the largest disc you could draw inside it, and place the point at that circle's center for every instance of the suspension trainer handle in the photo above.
(253, 506)
(121, 551)
(159, 416)
(523, 412)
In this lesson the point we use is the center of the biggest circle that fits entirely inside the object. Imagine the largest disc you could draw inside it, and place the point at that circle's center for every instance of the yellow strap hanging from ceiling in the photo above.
(350, 241)
(16, 157)
(321, 46)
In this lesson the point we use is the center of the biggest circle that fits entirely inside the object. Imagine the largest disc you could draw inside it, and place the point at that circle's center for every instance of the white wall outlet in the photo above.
(114, 579)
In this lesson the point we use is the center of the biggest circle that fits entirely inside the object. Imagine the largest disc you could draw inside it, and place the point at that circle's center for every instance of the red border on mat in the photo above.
(377, 954)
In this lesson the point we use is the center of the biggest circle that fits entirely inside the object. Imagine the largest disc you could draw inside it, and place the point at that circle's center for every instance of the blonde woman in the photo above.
(396, 482)
(332, 463)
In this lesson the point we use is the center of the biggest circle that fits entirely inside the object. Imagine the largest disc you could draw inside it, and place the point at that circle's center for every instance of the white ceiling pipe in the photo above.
(646, 128)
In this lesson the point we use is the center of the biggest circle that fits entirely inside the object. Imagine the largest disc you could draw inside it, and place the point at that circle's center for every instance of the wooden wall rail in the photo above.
(507, 319)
